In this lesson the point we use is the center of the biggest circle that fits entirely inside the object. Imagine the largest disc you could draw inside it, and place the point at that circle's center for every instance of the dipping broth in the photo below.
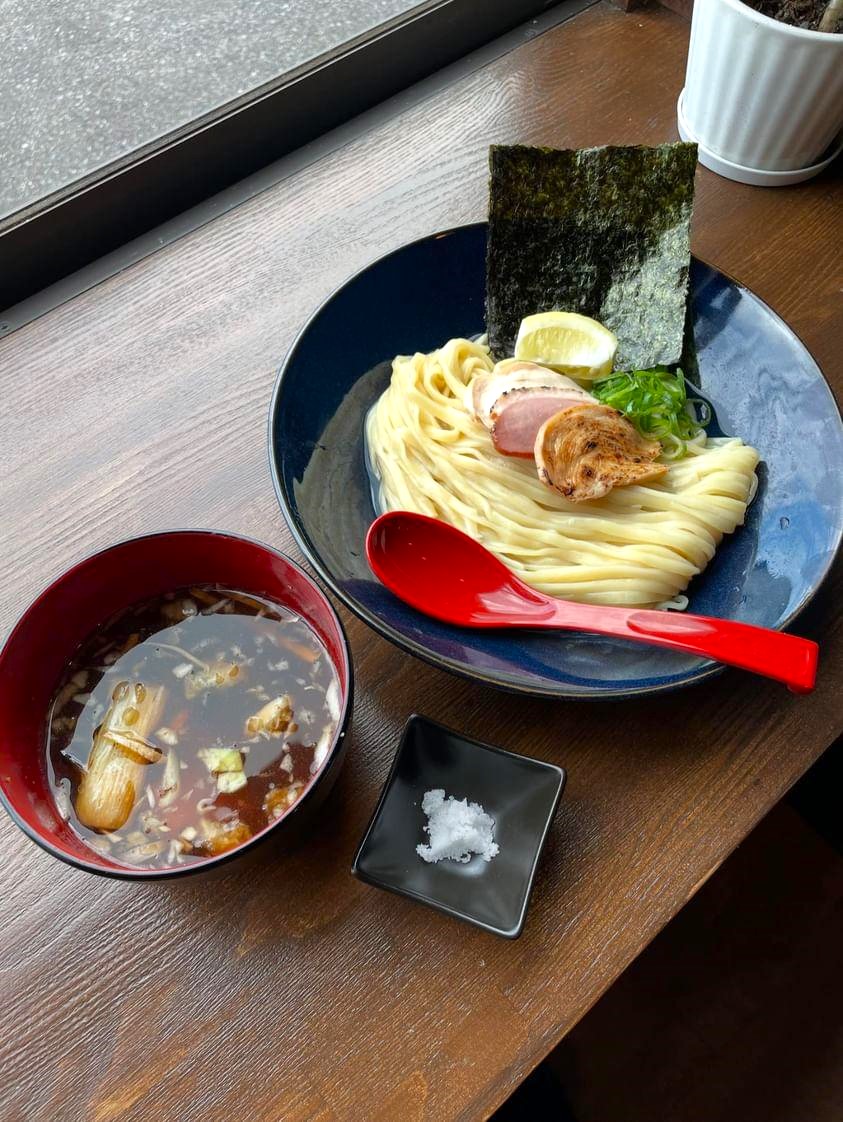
(187, 724)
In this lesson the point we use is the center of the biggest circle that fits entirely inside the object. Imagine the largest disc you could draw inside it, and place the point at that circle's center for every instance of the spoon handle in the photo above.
(787, 658)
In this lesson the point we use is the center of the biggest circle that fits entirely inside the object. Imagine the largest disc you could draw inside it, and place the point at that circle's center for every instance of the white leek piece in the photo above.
(120, 752)
(168, 789)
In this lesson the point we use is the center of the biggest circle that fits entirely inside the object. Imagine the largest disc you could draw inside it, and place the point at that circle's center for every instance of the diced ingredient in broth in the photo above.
(230, 781)
(221, 759)
(275, 718)
(218, 837)
(187, 724)
(457, 828)
(219, 676)
(280, 799)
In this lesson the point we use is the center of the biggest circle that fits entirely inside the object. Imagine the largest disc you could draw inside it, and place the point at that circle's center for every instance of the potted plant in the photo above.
(763, 94)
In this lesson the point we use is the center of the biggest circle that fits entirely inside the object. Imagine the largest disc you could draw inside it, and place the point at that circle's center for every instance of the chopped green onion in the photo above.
(657, 404)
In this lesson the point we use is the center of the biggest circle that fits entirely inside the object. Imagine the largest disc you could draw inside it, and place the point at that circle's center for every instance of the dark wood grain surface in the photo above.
(295, 992)
(733, 1011)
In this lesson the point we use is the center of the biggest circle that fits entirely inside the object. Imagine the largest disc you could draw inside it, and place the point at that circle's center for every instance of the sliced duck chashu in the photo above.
(586, 450)
(516, 398)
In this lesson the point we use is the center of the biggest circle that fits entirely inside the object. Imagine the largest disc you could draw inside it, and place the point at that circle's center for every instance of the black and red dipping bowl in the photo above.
(46, 636)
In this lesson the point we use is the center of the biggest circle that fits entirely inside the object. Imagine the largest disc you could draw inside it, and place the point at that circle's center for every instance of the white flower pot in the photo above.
(763, 100)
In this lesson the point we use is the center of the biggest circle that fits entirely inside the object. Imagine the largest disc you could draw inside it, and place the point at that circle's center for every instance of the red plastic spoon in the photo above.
(442, 572)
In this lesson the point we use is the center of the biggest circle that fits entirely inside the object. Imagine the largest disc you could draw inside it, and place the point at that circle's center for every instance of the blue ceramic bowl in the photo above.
(761, 380)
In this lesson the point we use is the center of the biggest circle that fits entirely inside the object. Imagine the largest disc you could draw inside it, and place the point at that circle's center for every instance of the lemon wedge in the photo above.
(568, 342)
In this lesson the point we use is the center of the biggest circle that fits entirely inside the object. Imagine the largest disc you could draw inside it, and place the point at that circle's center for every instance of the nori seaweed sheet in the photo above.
(602, 231)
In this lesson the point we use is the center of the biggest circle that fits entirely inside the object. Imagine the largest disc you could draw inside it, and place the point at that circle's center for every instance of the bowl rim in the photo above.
(207, 864)
(707, 669)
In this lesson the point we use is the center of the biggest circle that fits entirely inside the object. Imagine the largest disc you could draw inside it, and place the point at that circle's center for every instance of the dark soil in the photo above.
(798, 13)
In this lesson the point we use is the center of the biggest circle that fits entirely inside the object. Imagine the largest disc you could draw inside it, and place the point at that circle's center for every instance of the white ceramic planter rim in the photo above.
(757, 177)
(768, 21)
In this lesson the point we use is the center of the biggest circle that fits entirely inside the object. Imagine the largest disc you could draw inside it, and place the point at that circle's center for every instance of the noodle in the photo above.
(638, 545)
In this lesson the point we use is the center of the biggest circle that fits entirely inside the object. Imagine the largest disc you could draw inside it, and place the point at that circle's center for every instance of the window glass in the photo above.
(85, 82)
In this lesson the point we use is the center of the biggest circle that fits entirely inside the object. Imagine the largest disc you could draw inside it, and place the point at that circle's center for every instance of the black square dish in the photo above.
(519, 793)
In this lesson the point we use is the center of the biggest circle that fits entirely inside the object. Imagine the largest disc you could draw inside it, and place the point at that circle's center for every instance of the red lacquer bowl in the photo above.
(36, 652)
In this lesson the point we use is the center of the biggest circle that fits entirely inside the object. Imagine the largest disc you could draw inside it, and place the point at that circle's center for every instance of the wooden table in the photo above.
(296, 992)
